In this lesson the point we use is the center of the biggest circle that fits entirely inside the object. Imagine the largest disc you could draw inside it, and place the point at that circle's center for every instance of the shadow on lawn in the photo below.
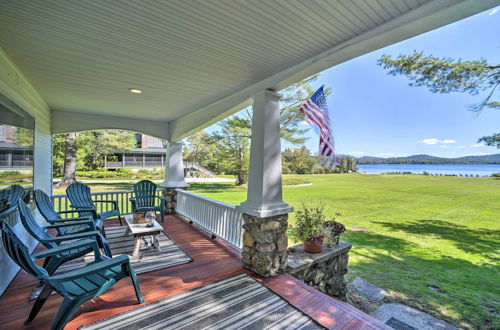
(468, 240)
(409, 271)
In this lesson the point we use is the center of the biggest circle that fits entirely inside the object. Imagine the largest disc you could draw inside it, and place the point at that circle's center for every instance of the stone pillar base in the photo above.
(265, 243)
(170, 199)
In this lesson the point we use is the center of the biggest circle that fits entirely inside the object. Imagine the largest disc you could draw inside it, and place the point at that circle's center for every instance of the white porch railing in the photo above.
(218, 218)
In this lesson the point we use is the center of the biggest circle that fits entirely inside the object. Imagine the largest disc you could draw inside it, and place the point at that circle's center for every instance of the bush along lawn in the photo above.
(432, 242)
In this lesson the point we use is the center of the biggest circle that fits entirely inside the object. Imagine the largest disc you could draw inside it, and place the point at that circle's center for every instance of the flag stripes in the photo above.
(316, 113)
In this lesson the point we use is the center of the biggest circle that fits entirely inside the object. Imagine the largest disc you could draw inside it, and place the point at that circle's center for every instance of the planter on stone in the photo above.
(313, 244)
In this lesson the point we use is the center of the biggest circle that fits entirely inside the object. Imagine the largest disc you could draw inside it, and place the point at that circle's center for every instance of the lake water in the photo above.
(457, 169)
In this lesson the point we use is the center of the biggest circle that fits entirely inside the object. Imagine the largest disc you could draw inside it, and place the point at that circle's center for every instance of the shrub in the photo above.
(496, 175)
(124, 171)
(9, 173)
(15, 176)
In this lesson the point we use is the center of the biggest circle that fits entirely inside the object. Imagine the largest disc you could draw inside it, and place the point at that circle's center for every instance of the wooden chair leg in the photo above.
(40, 301)
(120, 218)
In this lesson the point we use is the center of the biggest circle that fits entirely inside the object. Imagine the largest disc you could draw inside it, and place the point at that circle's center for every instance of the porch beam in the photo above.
(66, 121)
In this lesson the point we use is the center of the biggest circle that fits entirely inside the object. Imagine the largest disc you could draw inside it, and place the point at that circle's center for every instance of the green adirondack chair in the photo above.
(44, 205)
(76, 287)
(42, 235)
(12, 194)
(145, 198)
(81, 199)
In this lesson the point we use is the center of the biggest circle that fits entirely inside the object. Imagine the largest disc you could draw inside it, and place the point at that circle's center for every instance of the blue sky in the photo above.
(380, 115)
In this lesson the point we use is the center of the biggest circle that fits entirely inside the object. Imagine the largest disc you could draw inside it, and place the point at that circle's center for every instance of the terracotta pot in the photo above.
(313, 245)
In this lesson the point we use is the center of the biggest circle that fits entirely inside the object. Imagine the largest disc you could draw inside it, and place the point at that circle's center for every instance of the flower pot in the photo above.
(313, 245)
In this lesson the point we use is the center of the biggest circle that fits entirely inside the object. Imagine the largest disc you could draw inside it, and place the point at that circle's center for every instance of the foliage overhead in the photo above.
(446, 75)
(492, 140)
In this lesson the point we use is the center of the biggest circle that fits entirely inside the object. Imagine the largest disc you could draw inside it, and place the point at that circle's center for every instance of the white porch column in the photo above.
(265, 215)
(264, 195)
(174, 175)
(174, 167)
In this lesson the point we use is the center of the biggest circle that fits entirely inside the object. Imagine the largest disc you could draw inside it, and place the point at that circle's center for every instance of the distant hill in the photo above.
(426, 159)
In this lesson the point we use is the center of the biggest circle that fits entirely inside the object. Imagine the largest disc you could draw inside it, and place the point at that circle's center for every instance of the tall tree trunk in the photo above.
(241, 169)
(69, 170)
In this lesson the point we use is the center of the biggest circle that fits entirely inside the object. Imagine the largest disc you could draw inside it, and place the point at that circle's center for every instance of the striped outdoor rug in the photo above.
(238, 302)
(150, 259)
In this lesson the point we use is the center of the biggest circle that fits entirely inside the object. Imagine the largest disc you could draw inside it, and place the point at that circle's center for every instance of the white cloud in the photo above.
(436, 141)
(493, 12)
(429, 141)
(443, 146)
(477, 145)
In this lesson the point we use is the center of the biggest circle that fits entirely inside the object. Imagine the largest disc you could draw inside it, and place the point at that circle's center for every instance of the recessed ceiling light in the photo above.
(135, 90)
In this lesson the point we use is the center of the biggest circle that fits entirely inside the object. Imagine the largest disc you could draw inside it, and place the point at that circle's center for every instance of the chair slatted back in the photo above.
(79, 194)
(32, 226)
(145, 193)
(12, 193)
(44, 205)
(19, 253)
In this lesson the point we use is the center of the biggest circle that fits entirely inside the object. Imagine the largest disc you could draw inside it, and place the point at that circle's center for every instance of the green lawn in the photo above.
(432, 242)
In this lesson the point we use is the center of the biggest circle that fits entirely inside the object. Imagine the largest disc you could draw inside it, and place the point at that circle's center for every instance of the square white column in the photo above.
(174, 167)
(264, 195)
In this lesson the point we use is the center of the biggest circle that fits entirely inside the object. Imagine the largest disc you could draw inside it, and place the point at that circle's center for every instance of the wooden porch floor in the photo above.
(213, 260)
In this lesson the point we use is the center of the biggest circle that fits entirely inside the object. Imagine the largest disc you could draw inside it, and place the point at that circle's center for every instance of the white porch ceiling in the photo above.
(196, 61)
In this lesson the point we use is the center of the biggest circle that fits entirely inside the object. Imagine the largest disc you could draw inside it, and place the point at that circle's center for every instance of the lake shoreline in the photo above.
(431, 169)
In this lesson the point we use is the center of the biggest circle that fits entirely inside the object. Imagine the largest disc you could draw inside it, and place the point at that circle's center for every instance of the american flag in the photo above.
(316, 112)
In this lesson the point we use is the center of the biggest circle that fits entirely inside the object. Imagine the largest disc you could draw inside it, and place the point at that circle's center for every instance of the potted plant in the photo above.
(308, 228)
(332, 230)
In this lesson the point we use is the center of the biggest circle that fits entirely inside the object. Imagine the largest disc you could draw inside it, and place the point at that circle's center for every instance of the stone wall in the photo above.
(265, 243)
(323, 271)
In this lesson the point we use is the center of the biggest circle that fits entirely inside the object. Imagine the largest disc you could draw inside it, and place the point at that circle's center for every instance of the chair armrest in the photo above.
(105, 264)
(132, 199)
(71, 219)
(77, 211)
(87, 222)
(67, 247)
(161, 197)
(71, 237)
